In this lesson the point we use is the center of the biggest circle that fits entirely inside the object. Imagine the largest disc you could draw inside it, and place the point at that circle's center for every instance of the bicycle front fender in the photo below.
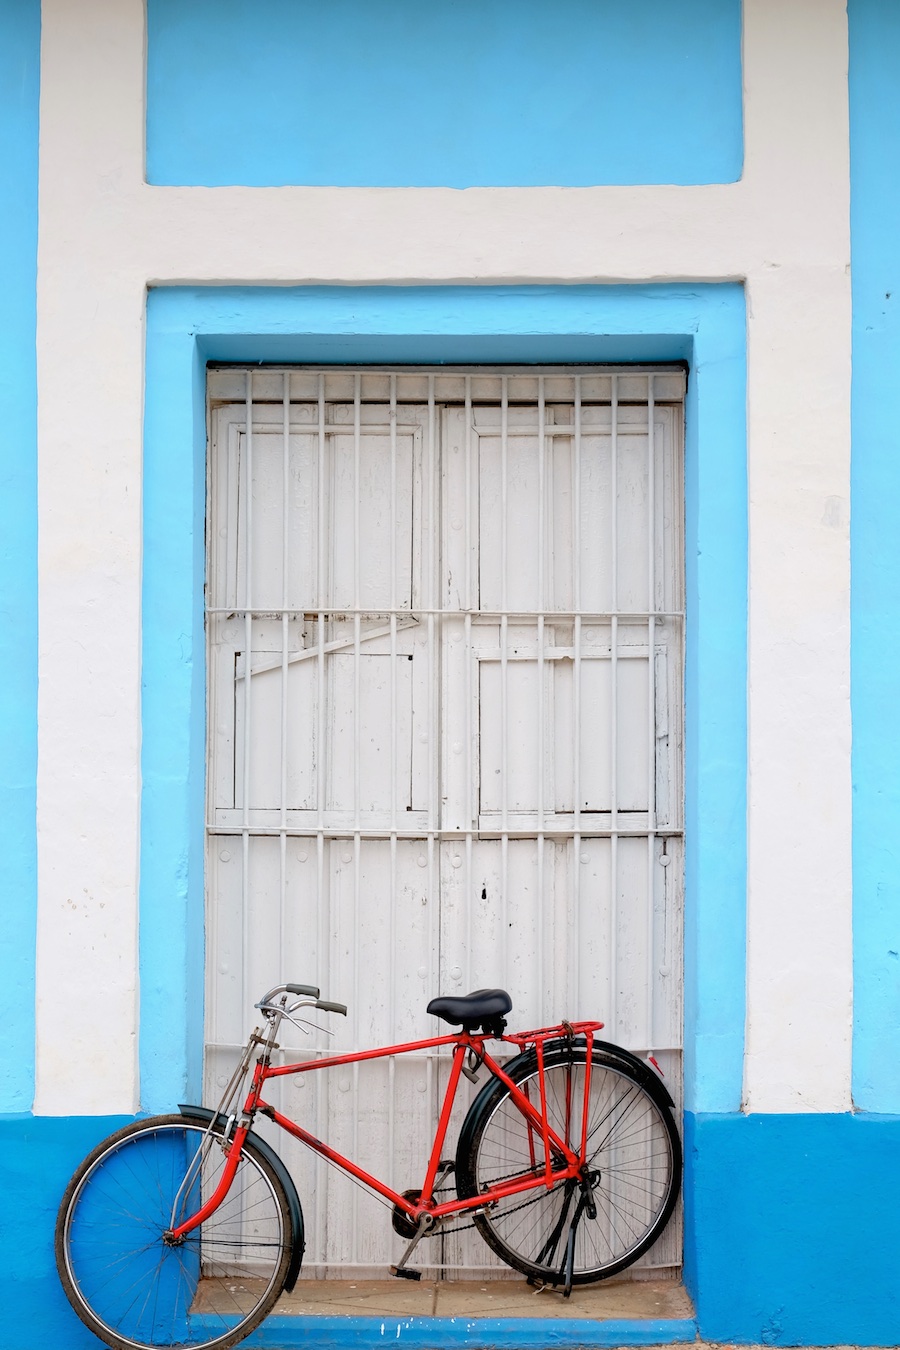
(298, 1245)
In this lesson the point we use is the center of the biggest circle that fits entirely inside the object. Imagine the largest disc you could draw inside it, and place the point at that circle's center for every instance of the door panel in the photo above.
(445, 690)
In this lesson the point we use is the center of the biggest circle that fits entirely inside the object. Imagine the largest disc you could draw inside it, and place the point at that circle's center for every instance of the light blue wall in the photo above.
(701, 324)
(446, 93)
(20, 33)
(875, 542)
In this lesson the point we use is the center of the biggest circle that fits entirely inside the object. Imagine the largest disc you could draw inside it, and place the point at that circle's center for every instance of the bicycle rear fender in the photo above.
(641, 1070)
(526, 1062)
(203, 1113)
(646, 1076)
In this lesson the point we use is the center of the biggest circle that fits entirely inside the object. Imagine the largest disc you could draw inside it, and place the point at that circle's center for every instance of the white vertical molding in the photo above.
(799, 970)
(90, 399)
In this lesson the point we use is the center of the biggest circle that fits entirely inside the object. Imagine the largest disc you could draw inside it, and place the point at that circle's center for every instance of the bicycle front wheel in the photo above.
(631, 1177)
(126, 1284)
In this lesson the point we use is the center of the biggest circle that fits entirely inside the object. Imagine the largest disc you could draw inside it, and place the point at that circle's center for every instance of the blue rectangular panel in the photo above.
(443, 93)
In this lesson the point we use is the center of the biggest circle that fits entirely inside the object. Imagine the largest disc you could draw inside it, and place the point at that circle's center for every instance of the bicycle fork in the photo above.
(232, 1139)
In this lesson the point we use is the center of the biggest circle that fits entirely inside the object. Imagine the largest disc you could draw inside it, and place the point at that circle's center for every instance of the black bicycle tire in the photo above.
(71, 1268)
(497, 1223)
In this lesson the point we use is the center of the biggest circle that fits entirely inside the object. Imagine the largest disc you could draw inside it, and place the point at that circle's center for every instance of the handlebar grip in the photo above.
(309, 989)
(324, 1006)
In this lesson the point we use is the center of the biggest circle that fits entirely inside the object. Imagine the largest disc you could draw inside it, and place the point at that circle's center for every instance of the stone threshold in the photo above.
(628, 1299)
(474, 1315)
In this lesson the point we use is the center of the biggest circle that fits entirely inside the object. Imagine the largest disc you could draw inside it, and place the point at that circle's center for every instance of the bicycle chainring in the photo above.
(400, 1220)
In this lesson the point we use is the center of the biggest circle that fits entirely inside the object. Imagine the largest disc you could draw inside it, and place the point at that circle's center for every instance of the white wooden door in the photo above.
(445, 666)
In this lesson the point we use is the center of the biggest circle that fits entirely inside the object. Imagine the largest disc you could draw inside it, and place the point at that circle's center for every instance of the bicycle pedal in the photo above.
(403, 1274)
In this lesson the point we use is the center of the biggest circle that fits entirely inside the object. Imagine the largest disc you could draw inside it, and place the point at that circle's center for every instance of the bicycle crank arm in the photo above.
(426, 1223)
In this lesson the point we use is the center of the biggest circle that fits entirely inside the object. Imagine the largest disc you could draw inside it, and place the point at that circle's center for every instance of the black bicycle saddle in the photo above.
(485, 1007)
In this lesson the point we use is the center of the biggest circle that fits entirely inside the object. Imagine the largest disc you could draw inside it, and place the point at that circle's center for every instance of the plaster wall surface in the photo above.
(105, 234)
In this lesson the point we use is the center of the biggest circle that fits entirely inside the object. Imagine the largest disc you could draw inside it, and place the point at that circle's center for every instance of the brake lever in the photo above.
(302, 1026)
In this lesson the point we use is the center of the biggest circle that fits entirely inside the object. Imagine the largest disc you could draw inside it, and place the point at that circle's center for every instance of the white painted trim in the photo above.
(104, 234)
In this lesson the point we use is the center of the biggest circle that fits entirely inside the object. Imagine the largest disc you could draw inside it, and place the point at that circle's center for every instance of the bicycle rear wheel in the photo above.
(132, 1290)
(633, 1166)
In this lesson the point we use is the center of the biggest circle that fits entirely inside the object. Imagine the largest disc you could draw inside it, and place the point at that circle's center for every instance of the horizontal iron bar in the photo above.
(347, 612)
(569, 832)
(414, 1056)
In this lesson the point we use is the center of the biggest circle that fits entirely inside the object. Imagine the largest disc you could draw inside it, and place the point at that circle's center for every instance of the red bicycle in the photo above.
(183, 1230)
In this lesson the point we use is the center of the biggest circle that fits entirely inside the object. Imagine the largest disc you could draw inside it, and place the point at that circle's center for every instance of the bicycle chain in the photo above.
(460, 1228)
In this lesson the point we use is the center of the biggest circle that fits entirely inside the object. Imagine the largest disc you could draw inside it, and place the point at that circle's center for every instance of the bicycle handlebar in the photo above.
(308, 990)
(305, 991)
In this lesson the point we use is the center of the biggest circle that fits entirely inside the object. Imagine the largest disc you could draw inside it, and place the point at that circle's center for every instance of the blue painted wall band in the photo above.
(187, 327)
(20, 40)
(790, 1240)
(443, 93)
(791, 1228)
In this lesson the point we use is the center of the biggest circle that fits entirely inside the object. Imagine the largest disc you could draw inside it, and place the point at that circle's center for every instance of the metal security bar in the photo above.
(445, 625)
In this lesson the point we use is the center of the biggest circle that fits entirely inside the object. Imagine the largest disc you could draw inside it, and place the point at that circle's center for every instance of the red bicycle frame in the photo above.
(558, 1160)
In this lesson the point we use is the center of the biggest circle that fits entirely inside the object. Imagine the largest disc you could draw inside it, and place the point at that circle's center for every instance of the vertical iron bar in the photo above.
(323, 926)
(285, 633)
(357, 637)
(614, 704)
(431, 592)
(248, 643)
(575, 966)
(216, 592)
(542, 532)
(394, 733)
(470, 677)
(321, 600)
(651, 701)
(357, 838)
(429, 526)
(504, 672)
